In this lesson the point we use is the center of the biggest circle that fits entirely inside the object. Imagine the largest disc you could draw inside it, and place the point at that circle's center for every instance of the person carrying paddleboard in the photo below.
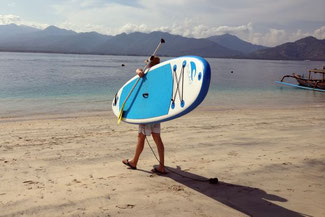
(147, 130)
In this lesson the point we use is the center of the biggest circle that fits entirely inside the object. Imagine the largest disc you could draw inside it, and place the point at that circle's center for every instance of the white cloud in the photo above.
(320, 33)
(128, 28)
(85, 27)
(192, 18)
(10, 18)
(276, 37)
(187, 28)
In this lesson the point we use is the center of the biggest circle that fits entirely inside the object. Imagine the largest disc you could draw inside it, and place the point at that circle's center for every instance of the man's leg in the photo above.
(138, 150)
(161, 151)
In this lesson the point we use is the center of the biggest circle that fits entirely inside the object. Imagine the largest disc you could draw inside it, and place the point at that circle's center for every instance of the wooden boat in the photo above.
(310, 82)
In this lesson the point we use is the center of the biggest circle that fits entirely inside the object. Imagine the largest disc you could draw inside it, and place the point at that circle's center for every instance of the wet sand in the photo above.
(269, 162)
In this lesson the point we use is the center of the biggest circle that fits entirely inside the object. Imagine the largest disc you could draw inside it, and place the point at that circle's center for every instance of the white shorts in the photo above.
(147, 129)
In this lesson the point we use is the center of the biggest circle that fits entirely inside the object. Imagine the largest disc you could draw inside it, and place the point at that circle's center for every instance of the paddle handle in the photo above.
(161, 42)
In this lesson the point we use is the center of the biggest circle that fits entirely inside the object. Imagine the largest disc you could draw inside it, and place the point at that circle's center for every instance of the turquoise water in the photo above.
(33, 83)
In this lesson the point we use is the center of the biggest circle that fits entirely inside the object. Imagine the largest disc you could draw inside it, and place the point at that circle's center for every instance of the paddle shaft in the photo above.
(145, 68)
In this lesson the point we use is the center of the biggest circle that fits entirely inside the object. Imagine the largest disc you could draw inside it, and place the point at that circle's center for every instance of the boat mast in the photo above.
(321, 71)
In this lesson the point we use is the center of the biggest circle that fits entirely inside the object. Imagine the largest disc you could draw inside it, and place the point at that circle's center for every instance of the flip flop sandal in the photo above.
(127, 163)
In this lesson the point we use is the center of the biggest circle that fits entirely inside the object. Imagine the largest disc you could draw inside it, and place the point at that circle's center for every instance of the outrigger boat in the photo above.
(317, 84)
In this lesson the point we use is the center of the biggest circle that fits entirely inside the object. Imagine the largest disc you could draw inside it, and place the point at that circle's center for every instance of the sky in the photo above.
(264, 22)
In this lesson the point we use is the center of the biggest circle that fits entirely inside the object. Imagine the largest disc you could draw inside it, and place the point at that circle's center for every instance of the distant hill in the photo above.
(56, 40)
(144, 43)
(7, 31)
(235, 43)
(308, 48)
(53, 30)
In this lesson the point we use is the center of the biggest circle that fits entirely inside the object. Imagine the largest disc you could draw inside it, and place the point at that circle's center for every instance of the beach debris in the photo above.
(30, 182)
(176, 188)
(213, 181)
(125, 206)
(76, 181)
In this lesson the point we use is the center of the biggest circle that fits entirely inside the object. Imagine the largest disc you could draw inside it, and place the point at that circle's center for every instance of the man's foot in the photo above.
(159, 171)
(129, 164)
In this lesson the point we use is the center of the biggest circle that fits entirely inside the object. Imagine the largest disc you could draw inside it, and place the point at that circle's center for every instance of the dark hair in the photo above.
(154, 61)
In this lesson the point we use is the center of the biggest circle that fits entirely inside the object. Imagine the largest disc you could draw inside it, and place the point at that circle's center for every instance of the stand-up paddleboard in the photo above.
(299, 86)
(167, 91)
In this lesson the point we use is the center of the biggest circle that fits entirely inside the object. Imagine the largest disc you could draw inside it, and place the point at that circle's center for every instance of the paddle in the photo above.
(120, 116)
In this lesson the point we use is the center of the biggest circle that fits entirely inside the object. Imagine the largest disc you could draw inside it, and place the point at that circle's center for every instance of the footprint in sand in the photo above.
(76, 181)
(232, 153)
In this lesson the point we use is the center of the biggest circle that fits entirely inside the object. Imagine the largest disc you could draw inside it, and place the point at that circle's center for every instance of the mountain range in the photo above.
(56, 40)
(308, 48)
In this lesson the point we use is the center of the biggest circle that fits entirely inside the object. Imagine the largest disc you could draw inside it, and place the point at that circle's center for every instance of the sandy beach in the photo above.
(269, 162)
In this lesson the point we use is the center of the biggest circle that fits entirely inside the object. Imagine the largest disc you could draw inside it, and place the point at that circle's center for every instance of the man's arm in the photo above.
(140, 72)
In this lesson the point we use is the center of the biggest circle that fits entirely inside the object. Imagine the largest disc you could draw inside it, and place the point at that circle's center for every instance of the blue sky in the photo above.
(259, 21)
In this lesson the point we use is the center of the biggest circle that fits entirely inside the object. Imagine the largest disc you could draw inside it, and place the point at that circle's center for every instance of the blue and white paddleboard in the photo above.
(167, 91)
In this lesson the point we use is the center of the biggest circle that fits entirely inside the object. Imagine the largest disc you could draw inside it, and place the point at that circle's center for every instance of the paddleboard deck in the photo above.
(167, 91)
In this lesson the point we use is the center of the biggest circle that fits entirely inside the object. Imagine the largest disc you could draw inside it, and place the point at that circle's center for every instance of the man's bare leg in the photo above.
(138, 150)
(161, 151)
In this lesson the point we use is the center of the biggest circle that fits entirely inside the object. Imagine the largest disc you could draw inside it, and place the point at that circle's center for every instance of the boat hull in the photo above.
(300, 86)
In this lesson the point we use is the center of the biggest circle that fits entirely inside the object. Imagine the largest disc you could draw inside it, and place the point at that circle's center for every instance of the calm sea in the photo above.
(34, 83)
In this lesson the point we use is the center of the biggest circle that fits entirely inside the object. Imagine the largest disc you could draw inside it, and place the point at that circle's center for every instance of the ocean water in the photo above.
(37, 83)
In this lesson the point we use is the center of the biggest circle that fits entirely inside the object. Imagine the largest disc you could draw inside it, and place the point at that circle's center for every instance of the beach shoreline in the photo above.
(109, 114)
(269, 161)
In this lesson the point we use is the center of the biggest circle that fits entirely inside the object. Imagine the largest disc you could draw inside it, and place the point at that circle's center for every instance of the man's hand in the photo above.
(140, 72)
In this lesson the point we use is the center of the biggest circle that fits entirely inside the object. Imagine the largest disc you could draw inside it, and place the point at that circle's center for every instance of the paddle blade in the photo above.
(119, 120)
(120, 116)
